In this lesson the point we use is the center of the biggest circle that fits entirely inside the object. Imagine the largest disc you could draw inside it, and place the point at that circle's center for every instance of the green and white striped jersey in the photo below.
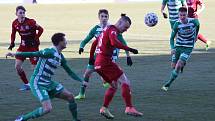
(173, 8)
(49, 60)
(186, 34)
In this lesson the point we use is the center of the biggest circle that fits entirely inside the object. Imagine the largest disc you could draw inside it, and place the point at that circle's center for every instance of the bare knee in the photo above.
(70, 98)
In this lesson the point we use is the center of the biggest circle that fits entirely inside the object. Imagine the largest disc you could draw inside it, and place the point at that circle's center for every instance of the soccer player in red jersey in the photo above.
(30, 32)
(193, 12)
(109, 70)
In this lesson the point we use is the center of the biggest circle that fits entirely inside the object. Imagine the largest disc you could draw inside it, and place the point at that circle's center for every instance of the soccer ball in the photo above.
(151, 19)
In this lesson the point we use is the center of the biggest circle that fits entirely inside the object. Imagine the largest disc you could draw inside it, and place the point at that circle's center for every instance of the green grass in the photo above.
(191, 97)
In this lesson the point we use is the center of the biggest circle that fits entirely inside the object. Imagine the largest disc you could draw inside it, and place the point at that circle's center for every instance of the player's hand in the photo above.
(81, 50)
(129, 61)
(135, 51)
(173, 51)
(165, 15)
(12, 45)
(10, 54)
(91, 61)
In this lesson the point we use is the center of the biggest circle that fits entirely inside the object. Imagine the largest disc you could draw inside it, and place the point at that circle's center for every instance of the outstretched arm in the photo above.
(92, 51)
(173, 34)
(69, 71)
(47, 53)
(162, 9)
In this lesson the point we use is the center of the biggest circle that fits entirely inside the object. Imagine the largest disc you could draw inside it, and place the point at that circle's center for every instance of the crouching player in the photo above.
(109, 70)
(186, 31)
(41, 83)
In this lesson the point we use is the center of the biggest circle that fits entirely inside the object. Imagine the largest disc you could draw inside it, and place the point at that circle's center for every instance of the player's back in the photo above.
(104, 49)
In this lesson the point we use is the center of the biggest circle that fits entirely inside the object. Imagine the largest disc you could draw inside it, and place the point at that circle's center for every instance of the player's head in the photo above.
(59, 40)
(124, 23)
(182, 13)
(103, 16)
(20, 12)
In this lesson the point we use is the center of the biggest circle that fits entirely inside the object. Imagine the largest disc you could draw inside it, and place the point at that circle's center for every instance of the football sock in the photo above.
(34, 114)
(108, 96)
(173, 76)
(202, 38)
(73, 109)
(23, 77)
(126, 94)
(82, 89)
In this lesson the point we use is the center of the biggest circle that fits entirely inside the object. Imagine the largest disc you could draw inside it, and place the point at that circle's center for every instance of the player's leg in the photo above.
(109, 94)
(126, 94)
(43, 96)
(184, 56)
(90, 69)
(173, 75)
(68, 96)
(33, 61)
(204, 40)
(21, 73)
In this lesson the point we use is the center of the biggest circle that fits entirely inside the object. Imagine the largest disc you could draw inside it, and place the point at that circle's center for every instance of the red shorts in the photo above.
(109, 72)
(33, 60)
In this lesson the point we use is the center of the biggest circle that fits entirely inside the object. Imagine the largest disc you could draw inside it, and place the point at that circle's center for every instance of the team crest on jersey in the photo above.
(27, 27)
(22, 28)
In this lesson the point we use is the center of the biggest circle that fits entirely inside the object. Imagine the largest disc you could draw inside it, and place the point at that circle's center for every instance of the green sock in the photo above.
(34, 114)
(73, 110)
(173, 76)
(82, 89)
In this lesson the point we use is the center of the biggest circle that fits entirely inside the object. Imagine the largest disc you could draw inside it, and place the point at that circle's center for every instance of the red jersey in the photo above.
(27, 31)
(105, 44)
(193, 7)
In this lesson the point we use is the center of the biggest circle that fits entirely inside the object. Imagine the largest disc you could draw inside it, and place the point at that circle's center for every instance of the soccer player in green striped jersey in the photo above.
(185, 33)
(41, 83)
(173, 7)
(94, 33)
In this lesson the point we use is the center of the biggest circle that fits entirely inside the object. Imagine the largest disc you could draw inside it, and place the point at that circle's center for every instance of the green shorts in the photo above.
(44, 91)
(182, 53)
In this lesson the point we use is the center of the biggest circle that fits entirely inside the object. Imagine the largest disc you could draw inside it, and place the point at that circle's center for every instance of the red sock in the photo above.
(126, 94)
(202, 38)
(23, 77)
(108, 96)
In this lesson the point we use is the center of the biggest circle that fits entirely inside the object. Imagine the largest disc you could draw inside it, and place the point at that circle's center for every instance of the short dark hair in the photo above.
(182, 9)
(57, 37)
(103, 11)
(126, 18)
(20, 7)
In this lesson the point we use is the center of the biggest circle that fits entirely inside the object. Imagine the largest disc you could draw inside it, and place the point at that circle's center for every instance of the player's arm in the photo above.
(39, 31)
(129, 60)
(87, 39)
(162, 9)
(92, 51)
(196, 22)
(12, 38)
(172, 37)
(69, 71)
(117, 44)
(202, 7)
(46, 53)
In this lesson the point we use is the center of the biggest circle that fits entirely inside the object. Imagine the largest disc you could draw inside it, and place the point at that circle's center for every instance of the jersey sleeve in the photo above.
(46, 53)
(88, 37)
(121, 39)
(164, 2)
(196, 22)
(69, 70)
(114, 40)
(93, 48)
(173, 34)
(13, 34)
